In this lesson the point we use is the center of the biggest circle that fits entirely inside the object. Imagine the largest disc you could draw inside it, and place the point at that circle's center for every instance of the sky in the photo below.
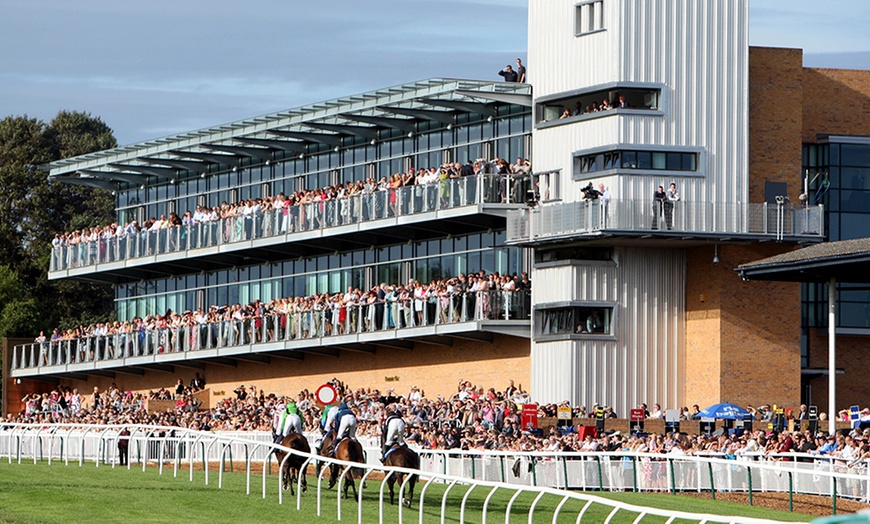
(155, 68)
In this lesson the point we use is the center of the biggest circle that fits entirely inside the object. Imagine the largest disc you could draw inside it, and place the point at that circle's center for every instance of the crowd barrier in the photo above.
(292, 219)
(181, 447)
(276, 327)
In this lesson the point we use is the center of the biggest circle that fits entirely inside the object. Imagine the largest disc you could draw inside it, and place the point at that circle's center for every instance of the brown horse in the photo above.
(293, 466)
(348, 450)
(403, 457)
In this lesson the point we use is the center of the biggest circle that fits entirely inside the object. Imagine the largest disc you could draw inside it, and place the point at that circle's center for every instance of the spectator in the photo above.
(509, 74)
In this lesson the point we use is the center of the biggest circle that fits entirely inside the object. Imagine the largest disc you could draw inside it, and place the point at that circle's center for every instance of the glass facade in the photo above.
(837, 175)
(471, 138)
(423, 261)
(358, 159)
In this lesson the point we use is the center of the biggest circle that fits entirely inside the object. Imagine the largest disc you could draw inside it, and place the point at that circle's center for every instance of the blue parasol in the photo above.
(724, 411)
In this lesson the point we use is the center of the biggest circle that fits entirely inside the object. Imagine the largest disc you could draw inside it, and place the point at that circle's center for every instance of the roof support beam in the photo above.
(160, 172)
(403, 124)
(320, 138)
(191, 364)
(260, 359)
(280, 145)
(470, 107)
(215, 158)
(359, 348)
(397, 344)
(507, 98)
(250, 152)
(325, 351)
(130, 371)
(189, 165)
(445, 117)
(118, 177)
(364, 132)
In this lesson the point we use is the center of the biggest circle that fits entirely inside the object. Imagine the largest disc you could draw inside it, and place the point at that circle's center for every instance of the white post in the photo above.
(832, 355)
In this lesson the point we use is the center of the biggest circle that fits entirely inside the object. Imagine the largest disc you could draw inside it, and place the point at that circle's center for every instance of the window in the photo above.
(574, 321)
(641, 160)
(600, 254)
(589, 17)
(598, 103)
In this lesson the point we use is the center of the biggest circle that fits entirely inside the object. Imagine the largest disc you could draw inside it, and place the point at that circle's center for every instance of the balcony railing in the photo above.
(345, 211)
(552, 221)
(275, 327)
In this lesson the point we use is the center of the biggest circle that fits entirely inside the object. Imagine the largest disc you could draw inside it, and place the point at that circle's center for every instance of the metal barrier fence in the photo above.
(181, 447)
(356, 209)
(278, 327)
(555, 220)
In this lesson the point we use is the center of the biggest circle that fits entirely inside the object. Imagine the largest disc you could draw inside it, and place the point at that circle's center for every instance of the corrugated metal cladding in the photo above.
(696, 50)
(642, 365)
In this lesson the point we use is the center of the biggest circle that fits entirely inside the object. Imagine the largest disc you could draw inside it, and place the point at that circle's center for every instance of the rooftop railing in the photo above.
(591, 216)
(274, 327)
(298, 218)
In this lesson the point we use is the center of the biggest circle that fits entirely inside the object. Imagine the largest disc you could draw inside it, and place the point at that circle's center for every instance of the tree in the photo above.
(33, 210)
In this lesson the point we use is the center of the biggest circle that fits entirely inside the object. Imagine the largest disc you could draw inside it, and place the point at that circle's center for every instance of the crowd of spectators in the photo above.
(606, 104)
(384, 306)
(434, 184)
(472, 418)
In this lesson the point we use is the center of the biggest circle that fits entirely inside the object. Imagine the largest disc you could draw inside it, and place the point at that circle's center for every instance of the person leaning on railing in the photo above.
(298, 211)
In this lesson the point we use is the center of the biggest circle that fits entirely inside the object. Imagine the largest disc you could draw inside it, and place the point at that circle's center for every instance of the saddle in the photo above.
(393, 448)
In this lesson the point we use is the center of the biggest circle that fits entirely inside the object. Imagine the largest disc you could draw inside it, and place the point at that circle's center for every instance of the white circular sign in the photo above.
(326, 394)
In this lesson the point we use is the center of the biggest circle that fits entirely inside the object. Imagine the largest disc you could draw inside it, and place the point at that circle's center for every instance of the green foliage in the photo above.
(33, 210)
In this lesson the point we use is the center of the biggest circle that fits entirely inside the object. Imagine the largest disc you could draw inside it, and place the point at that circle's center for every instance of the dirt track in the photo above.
(809, 504)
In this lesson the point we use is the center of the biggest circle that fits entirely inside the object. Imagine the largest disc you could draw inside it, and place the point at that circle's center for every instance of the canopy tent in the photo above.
(723, 410)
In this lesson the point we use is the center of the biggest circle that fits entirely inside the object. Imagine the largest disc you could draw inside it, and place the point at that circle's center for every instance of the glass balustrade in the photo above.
(278, 327)
(298, 218)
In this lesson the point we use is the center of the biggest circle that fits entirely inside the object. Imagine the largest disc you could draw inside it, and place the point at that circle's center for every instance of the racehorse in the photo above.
(348, 450)
(325, 450)
(293, 467)
(403, 457)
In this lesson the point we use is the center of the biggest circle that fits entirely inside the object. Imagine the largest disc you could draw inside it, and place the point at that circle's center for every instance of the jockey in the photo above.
(393, 431)
(346, 421)
(329, 422)
(290, 422)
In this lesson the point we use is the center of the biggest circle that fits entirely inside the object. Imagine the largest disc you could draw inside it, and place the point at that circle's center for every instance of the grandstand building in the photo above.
(634, 297)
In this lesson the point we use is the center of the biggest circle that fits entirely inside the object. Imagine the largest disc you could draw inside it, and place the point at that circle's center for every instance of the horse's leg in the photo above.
(291, 480)
(333, 474)
(411, 482)
(391, 482)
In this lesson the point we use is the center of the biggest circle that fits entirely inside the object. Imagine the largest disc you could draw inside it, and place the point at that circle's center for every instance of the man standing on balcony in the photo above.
(604, 201)
(659, 198)
(671, 196)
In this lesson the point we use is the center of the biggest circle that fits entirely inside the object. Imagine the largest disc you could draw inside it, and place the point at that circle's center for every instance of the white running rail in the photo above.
(162, 446)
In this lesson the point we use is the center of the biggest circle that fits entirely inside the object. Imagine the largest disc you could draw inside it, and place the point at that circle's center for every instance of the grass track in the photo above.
(68, 494)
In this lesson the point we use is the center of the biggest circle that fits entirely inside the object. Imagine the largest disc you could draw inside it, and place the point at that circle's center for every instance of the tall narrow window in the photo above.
(588, 17)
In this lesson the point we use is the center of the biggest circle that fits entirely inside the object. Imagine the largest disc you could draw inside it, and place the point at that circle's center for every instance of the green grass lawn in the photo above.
(69, 494)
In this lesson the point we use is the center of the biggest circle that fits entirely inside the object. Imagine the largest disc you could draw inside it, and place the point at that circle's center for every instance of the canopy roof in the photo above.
(331, 123)
(845, 260)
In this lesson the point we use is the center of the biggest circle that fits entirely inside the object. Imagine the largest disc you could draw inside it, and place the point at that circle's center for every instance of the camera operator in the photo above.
(590, 193)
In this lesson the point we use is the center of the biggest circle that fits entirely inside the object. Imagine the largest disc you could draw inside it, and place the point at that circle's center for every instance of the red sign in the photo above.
(326, 394)
(637, 415)
(529, 417)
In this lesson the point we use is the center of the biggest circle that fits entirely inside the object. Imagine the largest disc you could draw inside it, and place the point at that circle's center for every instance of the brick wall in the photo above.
(835, 102)
(775, 99)
(742, 338)
(435, 369)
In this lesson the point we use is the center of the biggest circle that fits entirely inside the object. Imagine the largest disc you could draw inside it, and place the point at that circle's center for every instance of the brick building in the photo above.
(621, 312)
